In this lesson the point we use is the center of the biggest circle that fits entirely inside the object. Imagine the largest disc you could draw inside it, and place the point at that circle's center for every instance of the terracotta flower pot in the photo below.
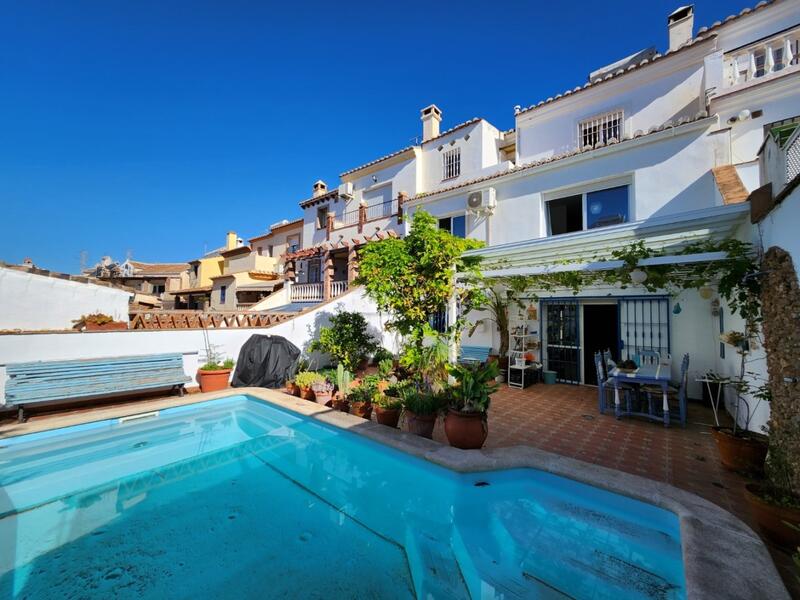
(322, 397)
(290, 387)
(421, 425)
(467, 431)
(772, 519)
(362, 409)
(306, 393)
(739, 453)
(341, 404)
(296, 391)
(212, 381)
(387, 416)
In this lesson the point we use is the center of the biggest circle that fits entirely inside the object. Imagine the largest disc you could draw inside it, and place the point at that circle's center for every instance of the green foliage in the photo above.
(214, 365)
(414, 277)
(366, 391)
(500, 295)
(382, 354)
(385, 368)
(421, 402)
(474, 385)
(343, 379)
(306, 378)
(346, 340)
(328, 374)
(395, 390)
(427, 362)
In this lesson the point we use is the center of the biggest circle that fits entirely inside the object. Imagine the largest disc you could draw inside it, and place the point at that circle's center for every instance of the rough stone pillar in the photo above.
(352, 264)
(327, 275)
(329, 225)
(289, 273)
(362, 217)
(402, 198)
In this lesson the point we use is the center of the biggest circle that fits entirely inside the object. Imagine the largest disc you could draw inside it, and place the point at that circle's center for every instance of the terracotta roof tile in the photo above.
(730, 184)
(143, 268)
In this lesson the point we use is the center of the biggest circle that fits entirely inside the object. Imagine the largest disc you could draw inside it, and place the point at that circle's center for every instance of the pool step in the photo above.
(434, 568)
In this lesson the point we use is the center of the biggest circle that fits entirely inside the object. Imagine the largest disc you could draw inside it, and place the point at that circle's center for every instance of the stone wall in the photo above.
(781, 312)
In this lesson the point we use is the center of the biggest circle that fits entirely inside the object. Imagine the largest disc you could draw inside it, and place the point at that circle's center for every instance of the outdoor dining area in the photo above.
(641, 386)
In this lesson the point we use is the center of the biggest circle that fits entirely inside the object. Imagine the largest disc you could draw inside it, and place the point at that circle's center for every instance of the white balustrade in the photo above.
(307, 292)
(338, 288)
(767, 57)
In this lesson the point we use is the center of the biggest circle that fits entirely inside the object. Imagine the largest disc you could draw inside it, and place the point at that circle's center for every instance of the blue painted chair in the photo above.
(45, 382)
(602, 363)
(472, 354)
(648, 357)
(673, 393)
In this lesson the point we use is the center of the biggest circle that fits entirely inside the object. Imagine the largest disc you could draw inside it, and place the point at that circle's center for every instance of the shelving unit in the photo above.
(523, 338)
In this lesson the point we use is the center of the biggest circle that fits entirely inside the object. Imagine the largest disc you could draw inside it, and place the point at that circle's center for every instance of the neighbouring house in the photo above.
(33, 299)
(154, 282)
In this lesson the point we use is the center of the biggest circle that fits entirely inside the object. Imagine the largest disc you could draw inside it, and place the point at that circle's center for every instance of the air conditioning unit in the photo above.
(483, 201)
(346, 190)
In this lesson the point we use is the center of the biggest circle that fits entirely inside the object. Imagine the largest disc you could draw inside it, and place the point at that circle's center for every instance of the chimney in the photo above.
(431, 118)
(320, 188)
(231, 241)
(680, 25)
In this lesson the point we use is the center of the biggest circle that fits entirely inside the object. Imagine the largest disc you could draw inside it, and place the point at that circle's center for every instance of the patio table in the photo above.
(656, 374)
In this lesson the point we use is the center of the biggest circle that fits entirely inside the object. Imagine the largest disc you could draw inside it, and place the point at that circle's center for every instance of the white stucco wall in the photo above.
(189, 342)
(35, 302)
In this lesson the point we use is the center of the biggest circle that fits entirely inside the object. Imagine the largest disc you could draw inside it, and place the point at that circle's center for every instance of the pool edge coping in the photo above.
(722, 557)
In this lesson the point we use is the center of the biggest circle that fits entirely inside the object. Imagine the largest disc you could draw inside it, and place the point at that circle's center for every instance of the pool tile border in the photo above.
(723, 557)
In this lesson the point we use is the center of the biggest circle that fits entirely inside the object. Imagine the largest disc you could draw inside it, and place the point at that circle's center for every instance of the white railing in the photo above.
(792, 152)
(338, 288)
(307, 292)
(766, 57)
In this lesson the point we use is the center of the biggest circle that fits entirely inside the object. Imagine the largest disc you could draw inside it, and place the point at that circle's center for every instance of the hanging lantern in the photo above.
(638, 276)
(676, 310)
(705, 291)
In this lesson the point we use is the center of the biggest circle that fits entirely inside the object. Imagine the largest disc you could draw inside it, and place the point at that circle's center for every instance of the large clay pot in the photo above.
(740, 453)
(212, 381)
(421, 425)
(306, 393)
(341, 404)
(362, 409)
(387, 416)
(322, 397)
(296, 390)
(772, 519)
(467, 431)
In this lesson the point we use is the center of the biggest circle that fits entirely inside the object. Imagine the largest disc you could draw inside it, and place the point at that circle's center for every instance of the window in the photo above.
(195, 269)
(455, 225)
(760, 58)
(270, 250)
(158, 289)
(314, 270)
(600, 129)
(589, 210)
(322, 217)
(293, 242)
(260, 251)
(451, 163)
(223, 292)
(565, 214)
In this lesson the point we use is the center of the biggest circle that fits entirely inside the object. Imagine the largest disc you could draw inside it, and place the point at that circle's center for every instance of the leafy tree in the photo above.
(346, 339)
(414, 277)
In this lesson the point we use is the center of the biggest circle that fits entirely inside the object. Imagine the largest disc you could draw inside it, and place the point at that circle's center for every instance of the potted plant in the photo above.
(773, 503)
(343, 382)
(361, 397)
(214, 375)
(323, 390)
(388, 404)
(290, 386)
(99, 322)
(466, 424)
(421, 409)
(346, 340)
(304, 380)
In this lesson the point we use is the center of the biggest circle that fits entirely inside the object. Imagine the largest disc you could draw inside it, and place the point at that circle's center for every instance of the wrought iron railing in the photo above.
(384, 209)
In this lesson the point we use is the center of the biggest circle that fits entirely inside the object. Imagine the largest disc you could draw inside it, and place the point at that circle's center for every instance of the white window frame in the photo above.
(602, 121)
(582, 191)
(451, 163)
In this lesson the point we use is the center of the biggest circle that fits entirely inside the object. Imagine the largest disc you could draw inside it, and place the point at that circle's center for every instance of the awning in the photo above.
(192, 291)
(261, 286)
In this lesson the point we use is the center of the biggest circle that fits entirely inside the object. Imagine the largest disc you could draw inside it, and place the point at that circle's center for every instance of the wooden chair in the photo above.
(673, 392)
(604, 387)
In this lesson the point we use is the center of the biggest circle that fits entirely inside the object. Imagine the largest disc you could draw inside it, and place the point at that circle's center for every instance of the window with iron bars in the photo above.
(451, 163)
(600, 129)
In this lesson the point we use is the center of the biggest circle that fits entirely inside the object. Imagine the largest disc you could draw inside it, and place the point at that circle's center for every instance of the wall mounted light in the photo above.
(705, 291)
(638, 276)
(676, 310)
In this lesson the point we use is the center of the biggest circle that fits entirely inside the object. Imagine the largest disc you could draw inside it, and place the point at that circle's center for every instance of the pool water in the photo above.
(236, 498)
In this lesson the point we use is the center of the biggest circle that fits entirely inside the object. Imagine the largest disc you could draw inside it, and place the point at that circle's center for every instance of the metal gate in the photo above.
(643, 325)
(563, 350)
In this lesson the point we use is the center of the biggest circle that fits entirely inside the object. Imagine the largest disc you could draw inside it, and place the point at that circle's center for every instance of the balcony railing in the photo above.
(346, 219)
(384, 209)
(314, 292)
(765, 58)
(371, 213)
(307, 292)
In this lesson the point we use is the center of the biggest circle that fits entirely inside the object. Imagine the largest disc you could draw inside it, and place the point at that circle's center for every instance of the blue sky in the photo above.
(155, 127)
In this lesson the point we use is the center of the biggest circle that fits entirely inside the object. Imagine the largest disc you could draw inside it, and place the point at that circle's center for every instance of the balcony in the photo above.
(763, 60)
(364, 214)
(315, 292)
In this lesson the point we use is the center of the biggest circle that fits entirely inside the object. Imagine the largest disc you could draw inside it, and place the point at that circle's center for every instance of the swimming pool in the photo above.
(235, 498)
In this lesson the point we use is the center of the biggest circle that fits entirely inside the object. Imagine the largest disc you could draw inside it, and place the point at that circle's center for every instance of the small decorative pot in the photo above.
(290, 387)
(421, 425)
(322, 397)
(387, 416)
(214, 380)
(467, 431)
(362, 409)
(772, 519)
(342, 404)
(306, 393)
(740, 453)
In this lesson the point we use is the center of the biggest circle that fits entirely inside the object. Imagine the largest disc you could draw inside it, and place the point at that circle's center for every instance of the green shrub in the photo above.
(306, 378)
(362, 393)
(382, 354)
(474, 384)
(421, 402)
(346, 340)
(228, 363)
(385, 368)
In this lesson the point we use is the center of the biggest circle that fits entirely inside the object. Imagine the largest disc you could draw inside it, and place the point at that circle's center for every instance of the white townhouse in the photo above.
(370, 201)
(660, 147)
